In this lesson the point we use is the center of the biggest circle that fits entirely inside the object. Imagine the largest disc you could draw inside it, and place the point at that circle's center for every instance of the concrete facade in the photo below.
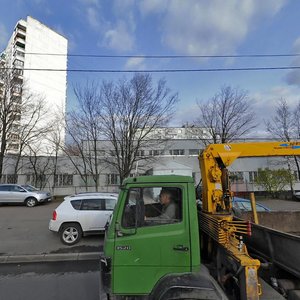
(179, 157)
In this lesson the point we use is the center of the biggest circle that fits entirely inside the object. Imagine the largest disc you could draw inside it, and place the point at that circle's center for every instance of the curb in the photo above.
(12, 259)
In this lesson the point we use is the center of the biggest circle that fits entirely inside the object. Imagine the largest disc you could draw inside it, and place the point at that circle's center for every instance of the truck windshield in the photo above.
(151, 206)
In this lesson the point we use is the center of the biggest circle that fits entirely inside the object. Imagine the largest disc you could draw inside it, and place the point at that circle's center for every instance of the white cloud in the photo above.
(90, 2)
(122, 7)
(3, 37)
(135, 63)
(93, 18)
(117, 35)
(152, 6)
(293, 77)
(119, 38)
(208, 27)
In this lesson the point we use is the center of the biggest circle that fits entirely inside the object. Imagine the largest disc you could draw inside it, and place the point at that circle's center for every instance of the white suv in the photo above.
(82, 214)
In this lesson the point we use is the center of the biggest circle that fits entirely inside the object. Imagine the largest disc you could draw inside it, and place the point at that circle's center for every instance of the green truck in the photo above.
(150, 258)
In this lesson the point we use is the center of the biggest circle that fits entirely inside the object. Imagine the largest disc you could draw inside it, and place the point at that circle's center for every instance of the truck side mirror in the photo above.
(123, 232)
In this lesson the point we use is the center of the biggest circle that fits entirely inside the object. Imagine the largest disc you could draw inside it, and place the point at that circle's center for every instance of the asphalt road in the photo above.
(59, 281)
(281, 205)
(24, 230)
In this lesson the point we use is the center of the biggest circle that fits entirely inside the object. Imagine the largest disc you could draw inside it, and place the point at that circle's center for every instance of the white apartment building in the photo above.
(28, 50)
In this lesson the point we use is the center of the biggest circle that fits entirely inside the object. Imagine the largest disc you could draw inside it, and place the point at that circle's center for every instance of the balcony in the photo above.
(21, 25)
(12, 148)
(17, 75)
(20, 33)
(20, 55)
(19, 49)
(16, 96)
(15, 128)
(18, 63)
(20, 42)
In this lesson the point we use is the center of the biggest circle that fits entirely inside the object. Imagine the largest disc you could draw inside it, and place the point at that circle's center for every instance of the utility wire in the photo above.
(157, 70)
(168, 56)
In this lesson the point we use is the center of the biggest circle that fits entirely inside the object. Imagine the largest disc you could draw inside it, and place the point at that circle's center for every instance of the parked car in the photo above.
(297, 195)
(240, 205)
(27, 194)
(82, 214)
(245, 205)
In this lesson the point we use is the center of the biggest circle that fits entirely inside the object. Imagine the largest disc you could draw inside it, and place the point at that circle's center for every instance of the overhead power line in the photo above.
(158, 70)
(169, 56)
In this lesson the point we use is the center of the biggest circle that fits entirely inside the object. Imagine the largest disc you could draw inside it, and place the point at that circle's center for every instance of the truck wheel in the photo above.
(30, 202)
(70, 234)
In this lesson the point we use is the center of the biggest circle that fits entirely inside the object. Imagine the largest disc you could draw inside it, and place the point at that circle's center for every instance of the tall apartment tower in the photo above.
(28, 49)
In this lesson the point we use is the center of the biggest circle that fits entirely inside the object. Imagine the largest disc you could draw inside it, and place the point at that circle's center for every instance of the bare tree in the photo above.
(32, 126)
(84, 128)
(131, 110)
(56, 139)
(281, 124)
(284, 125)
(296, 118)
(227, 116)
(40, 166)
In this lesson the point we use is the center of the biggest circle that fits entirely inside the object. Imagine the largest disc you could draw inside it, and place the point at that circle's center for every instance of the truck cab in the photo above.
(151, 248)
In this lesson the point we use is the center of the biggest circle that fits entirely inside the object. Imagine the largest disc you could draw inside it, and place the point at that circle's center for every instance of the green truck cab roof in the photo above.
(159, 179)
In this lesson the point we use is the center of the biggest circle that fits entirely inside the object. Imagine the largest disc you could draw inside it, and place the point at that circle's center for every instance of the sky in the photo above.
(177, 27)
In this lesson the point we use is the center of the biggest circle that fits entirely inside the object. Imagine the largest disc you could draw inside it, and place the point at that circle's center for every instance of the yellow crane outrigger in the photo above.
(217, 218)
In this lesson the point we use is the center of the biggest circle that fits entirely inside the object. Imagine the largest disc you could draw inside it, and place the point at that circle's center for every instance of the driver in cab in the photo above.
(169, 208)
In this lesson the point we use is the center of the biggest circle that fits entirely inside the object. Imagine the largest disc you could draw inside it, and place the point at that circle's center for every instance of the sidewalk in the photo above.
(37, 258)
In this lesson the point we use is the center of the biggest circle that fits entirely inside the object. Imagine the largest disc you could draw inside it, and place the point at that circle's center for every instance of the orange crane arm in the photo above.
(214, 160)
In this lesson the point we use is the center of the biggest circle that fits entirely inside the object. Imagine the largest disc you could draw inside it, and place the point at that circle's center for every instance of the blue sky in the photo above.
(177, 27)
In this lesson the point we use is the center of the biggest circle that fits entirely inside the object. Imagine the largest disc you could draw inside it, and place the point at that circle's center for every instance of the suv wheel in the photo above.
(30, 202)
(70, 234)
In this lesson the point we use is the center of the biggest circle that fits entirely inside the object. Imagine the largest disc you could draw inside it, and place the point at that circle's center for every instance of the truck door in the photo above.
(152, 238)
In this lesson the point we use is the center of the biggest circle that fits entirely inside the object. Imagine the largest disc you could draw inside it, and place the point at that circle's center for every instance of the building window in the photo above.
(113, 153)
(140, 153)
(101, 152)
(38, 180)
(176, 152)
(14, 137)
(237, 177)
(252, 176)
(155, 152)
(18, 72)
(17, 88)
(20, 53)
(295, 174)
(113, 179)
(9, 178)
(63, 180)
(19, 63)
(17, 117)
(28, 178)
(194, 152)
(13, 147)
